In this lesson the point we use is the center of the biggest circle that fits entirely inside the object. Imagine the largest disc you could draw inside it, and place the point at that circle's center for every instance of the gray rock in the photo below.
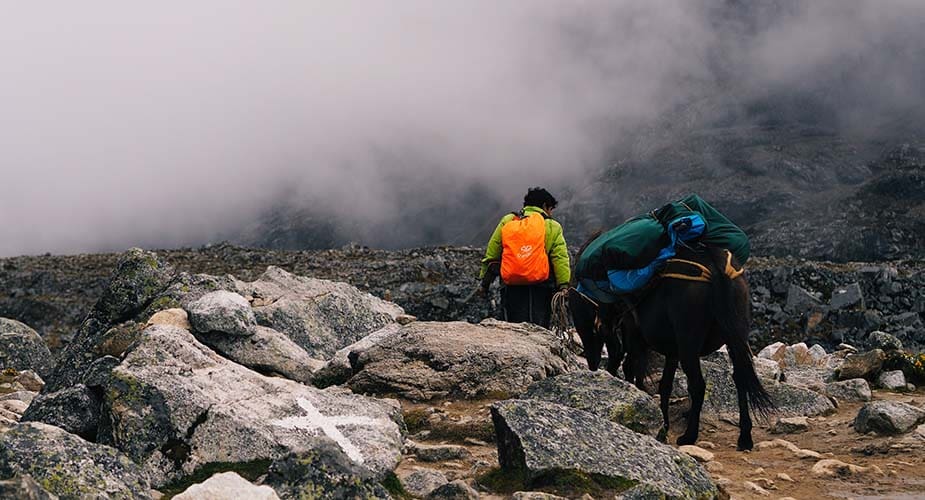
(535, 495)
(30, 380)
(68, 466)
(856, 389)
(541, 439)
(602, 394)
(227, 486)
(323, 471)
(176, 405)
(222, 311)
(454, 490)
(266, 351)
(767, 369)
(320, 316)
(437, 452)
(23, 487)
(75, 409)
(139, 279)
(24, 396)
(98, 373)
(790, 425)
(721, 399)
(421, 482)
(888, 417)
(426, 360)
(21, 348)
(863, 365)
(14, 406)
(892, 380)
(644, 492)
(338, 369)
(884, 341)
(847, 297)
(799, 300)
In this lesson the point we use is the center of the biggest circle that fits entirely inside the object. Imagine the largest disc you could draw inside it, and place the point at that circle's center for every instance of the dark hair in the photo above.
(539, 197)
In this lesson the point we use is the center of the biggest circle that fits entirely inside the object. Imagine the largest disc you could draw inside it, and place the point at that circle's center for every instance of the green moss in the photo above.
(151, 261)
(393, 485)
(125, 388)
(248, 470)
(497, 480)
(58, 481)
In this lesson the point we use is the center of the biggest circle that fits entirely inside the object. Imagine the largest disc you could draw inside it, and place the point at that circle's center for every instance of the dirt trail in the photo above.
(901, 458)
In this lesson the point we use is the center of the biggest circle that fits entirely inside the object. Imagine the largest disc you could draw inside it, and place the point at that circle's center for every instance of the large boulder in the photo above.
(21, 348)
(541, 441)
(176, 406)
(68, 466)
(888, 417)
(75, 409)
(602, 394)
(864, 365)
(139, 280)
(266, 351)
(320, 316)
(222, 311)
(855, 389)
(426, 360)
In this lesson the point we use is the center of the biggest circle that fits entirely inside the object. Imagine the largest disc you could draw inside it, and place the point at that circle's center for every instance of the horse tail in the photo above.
(731, 308)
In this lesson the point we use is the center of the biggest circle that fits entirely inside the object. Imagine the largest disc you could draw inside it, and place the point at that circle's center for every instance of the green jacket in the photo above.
(556, 248)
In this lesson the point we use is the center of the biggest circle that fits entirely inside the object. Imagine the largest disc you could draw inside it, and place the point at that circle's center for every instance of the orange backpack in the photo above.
(523, 250)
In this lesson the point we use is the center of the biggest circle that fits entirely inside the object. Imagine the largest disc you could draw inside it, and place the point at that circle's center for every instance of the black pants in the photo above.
(527, 304)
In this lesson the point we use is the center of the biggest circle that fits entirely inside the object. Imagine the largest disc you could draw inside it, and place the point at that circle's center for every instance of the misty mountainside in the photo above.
(797, 190)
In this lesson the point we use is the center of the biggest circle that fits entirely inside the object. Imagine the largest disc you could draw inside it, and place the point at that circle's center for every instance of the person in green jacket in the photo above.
(530, 303)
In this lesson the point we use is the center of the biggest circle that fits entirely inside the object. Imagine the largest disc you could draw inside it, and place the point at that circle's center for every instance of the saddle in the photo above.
(691, 270)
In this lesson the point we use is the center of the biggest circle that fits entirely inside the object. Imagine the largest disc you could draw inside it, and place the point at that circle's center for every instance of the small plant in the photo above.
(912, 365)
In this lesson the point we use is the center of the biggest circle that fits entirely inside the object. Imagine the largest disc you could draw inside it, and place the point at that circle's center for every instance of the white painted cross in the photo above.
(313, 419)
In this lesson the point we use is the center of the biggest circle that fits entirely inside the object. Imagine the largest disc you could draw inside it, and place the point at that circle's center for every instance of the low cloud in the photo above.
(175, 123)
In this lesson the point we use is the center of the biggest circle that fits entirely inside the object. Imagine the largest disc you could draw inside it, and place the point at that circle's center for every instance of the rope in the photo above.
(559, 321)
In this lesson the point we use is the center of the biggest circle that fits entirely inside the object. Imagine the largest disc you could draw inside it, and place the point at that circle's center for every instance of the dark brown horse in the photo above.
(683, 320)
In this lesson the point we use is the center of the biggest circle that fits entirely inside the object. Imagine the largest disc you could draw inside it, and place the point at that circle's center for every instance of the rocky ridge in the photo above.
(791, 298)
(144, 389)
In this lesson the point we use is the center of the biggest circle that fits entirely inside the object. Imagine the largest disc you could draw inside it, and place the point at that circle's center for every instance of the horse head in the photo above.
(595, 326)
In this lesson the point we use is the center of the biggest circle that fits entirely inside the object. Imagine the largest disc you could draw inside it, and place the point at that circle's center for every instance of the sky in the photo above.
(174, 123)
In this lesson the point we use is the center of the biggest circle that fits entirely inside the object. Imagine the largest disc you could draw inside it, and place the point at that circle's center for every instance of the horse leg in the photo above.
(664, 393)
(745, 420)
(696, 389)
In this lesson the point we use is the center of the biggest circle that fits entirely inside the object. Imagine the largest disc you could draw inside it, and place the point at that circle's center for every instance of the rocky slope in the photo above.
(792, 298)
(138, 404)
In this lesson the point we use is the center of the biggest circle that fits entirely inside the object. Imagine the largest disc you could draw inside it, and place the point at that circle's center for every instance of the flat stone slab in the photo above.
(427, 360)
(541, 440)
(176, 405)
(602, 394)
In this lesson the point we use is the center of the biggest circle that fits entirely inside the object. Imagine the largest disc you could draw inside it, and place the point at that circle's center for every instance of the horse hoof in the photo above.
(683, 440)
(745, 444)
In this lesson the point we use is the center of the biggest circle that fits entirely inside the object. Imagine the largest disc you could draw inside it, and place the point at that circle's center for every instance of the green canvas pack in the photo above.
(720, 232)
(638, 241)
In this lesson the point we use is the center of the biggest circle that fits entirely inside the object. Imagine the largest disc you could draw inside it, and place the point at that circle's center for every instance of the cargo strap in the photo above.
(689, 270)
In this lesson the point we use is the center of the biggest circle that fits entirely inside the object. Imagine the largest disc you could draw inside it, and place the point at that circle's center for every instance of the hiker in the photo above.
(528, 251)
